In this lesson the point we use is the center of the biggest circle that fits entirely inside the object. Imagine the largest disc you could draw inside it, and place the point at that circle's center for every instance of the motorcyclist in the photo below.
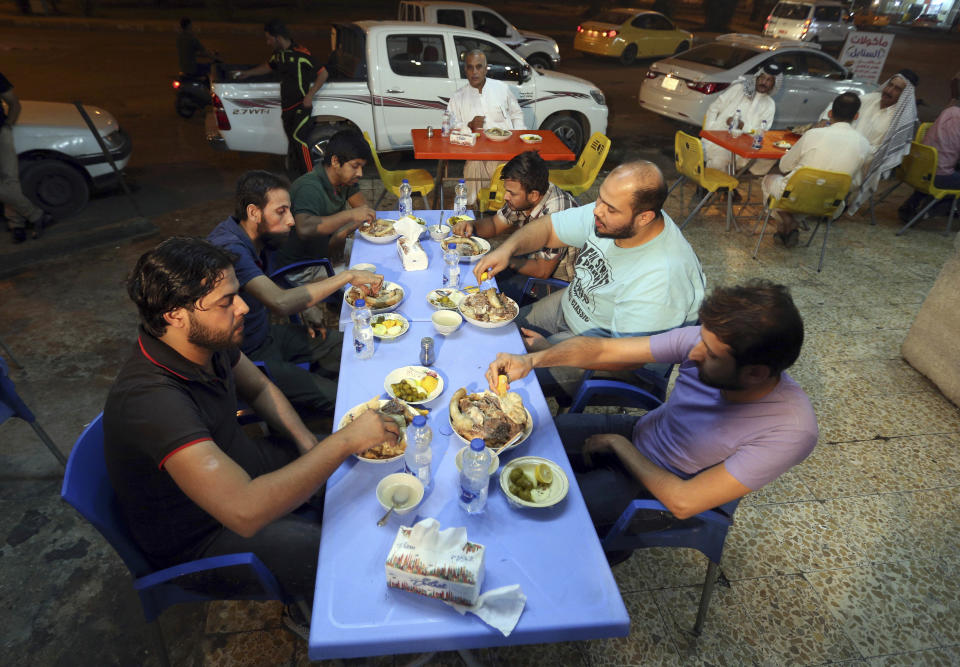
(189, 47)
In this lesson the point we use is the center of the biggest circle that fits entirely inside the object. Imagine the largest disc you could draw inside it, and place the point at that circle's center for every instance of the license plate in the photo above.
(670, 83)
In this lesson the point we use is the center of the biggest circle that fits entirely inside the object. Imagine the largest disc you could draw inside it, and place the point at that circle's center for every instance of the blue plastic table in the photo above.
(553, 553)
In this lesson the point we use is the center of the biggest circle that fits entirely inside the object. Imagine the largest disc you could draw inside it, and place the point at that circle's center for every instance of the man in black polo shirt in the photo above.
(190, 482)
(300, 79)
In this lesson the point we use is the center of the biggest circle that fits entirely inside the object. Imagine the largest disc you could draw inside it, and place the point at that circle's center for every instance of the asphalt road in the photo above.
(130, 72)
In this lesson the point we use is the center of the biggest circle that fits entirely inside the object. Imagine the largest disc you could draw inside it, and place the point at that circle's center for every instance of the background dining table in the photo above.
(552, 553)
(439, 148)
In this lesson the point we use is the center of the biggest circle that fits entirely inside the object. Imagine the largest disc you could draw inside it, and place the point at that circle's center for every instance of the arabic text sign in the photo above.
(865, 53)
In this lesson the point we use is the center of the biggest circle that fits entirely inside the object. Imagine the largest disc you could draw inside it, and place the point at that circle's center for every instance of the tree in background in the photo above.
(718, 14)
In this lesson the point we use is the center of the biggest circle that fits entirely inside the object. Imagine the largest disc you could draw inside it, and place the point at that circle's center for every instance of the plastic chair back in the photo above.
(920, 166)
(814, 192)
(688, 156)
(87, 487)
(492, 198)
(579, 178)
(11, 405)
(421, 182)
(922, 132)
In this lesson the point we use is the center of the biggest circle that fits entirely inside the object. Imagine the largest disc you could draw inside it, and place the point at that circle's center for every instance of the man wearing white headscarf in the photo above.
(888, 120)
(752, 96)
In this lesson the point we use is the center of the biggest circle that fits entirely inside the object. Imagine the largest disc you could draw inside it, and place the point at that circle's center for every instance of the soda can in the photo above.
(429, 131)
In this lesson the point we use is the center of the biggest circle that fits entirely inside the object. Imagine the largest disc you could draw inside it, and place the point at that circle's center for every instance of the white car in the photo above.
(539, 50)
(60, 160)
(684, 86)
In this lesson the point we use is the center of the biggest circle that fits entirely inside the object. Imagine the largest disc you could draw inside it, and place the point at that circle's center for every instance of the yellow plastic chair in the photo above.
(810, 192)
(899, 175)
(491, 199)
(581, 176)
(421, 182)
(688, 158)
(920, 168)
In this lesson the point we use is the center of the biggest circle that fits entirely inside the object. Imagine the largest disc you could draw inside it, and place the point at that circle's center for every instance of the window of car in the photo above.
(490, 23)
(717, 54)
(818, 65)
(827, 13)
(791, 63)
(642, 22)
(791, 10)
(501, 64)
(417, 55)
(657, 22)
(452, 17)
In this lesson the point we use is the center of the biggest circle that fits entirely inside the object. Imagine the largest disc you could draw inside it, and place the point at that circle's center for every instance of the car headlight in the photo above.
(598, 97)
(556, 48)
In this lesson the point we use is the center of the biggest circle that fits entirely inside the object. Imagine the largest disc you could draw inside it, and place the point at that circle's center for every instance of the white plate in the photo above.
(490, 325)
(434, 295)
(356, 411)
(388, 309)
(404, 324)
(783, 144)
(531, 138)
(495, 137)
(454, 219)
(526, 432)
(380, 240)
(471, 259)
(556, 492)
(415, 373)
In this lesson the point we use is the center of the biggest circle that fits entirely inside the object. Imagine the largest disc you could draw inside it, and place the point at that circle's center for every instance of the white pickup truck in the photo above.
(389, 77)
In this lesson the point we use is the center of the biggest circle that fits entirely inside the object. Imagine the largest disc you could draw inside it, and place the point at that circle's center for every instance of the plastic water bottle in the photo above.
(475, 477)
(418, 455)
(758, 137)
(445, 124)
(460, 198)
(735, 130)
(362, 331)
(451, 270)
(406, 198)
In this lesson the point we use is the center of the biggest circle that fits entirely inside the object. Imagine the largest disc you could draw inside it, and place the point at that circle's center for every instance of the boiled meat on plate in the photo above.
(488, 306)
(487, 416)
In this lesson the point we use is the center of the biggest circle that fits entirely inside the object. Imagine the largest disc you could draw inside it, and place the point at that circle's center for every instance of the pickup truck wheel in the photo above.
(629, 54)
(567, 129)
(185, 106)
(540, 60)
(320, 135)
(55, 186)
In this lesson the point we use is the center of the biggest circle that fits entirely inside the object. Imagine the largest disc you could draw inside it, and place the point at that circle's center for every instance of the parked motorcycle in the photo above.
(193, 93)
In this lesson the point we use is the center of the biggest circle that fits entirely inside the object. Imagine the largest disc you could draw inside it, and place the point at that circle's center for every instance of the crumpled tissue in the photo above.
(411, 252)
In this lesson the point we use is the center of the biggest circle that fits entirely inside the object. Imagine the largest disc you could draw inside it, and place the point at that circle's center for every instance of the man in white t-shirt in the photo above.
(836, 147)
(635, 273)
(481, 105)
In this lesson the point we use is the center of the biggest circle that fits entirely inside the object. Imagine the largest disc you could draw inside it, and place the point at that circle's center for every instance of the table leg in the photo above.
(438, 184)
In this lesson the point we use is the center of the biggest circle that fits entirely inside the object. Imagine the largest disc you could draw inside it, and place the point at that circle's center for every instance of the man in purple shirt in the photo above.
(734, 421)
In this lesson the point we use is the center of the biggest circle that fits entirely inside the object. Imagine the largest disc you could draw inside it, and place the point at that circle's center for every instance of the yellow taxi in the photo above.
(629, 34)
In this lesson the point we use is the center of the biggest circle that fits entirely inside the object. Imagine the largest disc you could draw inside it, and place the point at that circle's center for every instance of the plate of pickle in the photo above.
(413, 384)
(445, 298)
(532, 481)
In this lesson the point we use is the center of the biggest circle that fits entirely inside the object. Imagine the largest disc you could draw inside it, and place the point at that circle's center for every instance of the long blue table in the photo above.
(553, 553)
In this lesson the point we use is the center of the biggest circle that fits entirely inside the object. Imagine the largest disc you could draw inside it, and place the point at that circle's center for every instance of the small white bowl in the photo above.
(446, 321)
(438, 232)
(387, 485)
(372, 268)
(494, 462)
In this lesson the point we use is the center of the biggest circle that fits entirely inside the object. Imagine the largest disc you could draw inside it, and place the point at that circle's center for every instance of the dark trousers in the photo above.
(296, 124)
(918, 200)
(288, 345)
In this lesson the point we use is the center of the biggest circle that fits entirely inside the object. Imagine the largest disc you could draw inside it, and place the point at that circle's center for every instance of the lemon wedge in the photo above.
(429, 383)
(543, 473)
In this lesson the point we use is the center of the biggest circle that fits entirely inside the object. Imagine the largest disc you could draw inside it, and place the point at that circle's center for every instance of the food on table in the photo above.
(379, 228)
(419, 221)
(543, 474)
(466, 246)
(402, 414)
(385, 298)
(488, 306)
(454, 219)
(387, 325)
(531, 138)
(488, 416)
(442, 298)
(429, 383)
(783, 144)
(527, 488)
(501, 385)
(497, 132)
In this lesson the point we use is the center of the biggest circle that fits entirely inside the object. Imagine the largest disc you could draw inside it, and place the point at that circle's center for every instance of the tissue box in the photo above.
(463, 138)
(448, 569)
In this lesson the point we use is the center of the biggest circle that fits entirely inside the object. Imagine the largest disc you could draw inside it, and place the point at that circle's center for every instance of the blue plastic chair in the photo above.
(87, 487)
(11, 405)
(531, 292)
(279, 276)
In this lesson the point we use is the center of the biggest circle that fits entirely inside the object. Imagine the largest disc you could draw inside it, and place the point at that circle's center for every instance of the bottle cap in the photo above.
(462, 181)
(477, 444)
(359, 303)
(419, 421)
(451, 246)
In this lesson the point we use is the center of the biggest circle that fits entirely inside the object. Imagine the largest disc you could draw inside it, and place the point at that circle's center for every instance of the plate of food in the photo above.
(385, 301)
(469, 248)
(487, 416)
(497, 134)
(785, 145)
(454, 219)
(413, 384)
(403, 414)
(445, 298)
(531, 138)
(379, 231)
(532, 481)
(488, 310)
(389, 326)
